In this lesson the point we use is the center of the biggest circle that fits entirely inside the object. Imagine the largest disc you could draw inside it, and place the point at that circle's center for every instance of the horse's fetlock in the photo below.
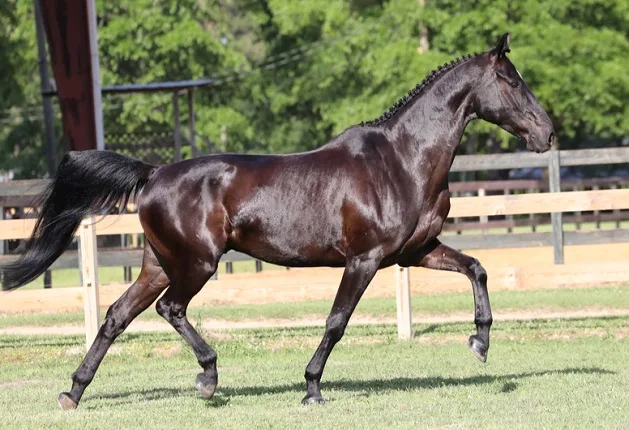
(483, 321)
(208, 360)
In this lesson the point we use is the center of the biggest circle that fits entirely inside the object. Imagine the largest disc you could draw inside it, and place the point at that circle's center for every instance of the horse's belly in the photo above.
(297, 244)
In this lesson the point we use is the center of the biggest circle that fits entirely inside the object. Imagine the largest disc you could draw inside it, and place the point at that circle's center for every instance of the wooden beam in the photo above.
(515, 204)
(530, 240)
(511, 204)
(110, 224)
(576, 157)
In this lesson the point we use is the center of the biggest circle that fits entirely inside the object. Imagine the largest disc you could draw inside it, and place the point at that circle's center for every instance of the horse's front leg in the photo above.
(358, 273)
(443, 257)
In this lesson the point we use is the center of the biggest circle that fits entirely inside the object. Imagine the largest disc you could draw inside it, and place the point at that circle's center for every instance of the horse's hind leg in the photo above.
(150, 283)
(173, 305)
(443, 257)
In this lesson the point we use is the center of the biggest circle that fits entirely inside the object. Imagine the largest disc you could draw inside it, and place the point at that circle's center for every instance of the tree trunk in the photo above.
(424, 45)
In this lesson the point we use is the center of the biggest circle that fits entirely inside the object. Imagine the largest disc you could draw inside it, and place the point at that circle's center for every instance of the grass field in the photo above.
(543, 374)
(546, 300)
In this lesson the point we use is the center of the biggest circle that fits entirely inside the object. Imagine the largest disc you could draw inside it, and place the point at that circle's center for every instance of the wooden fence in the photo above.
(461, 206)
(21, 193)
(555, 203)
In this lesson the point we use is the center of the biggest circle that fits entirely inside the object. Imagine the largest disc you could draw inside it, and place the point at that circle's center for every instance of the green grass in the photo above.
(62, 278)
(428, 305)
(542, 374)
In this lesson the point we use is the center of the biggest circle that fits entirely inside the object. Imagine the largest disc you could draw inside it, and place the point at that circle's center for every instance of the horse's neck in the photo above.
(430, 130)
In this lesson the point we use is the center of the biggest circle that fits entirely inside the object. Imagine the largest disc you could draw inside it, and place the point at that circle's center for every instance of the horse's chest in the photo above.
(430, 222)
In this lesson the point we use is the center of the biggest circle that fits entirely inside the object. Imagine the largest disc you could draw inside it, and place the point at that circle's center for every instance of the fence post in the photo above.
(508, 217)
(483, 219)
(48, 279)
(616, 212)
(3, 243)
(177, 126)
(191, 126)
(597, 214)
(126, 270)
(89, 271)
(578, 214)
(403, 299)
(554, 182)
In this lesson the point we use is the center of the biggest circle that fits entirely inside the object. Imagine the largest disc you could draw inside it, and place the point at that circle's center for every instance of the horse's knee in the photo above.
(114, 324)
(335, 327)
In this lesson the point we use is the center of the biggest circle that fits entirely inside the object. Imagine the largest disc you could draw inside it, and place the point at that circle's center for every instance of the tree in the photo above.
(21, 129)
(291, 75)
(572, 54)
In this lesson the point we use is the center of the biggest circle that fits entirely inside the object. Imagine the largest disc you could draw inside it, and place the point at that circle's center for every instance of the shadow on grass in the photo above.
(367, 387)
(404, 384)
(430, 329)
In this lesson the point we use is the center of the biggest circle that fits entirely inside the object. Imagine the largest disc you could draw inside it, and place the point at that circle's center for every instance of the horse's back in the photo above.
(299, 209)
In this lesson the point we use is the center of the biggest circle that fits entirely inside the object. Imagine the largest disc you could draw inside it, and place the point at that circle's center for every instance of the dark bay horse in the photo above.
(375, 195)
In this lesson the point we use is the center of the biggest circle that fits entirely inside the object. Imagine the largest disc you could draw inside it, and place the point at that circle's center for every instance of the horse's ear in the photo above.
(502, 47)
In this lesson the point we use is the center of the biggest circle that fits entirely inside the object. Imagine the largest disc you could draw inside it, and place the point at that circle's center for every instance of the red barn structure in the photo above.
(71, 31)
(73, 47)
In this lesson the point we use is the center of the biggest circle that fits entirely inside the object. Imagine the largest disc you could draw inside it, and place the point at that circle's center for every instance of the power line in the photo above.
(270, 63)
(294, 55)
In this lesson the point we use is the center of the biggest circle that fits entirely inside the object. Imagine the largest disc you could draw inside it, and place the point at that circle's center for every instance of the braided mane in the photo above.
(441, 70)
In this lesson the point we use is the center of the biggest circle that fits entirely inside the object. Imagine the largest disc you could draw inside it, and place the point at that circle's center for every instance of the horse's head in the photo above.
(504, 99)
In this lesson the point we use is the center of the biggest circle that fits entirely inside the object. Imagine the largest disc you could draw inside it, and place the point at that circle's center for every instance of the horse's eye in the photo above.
(514, 83)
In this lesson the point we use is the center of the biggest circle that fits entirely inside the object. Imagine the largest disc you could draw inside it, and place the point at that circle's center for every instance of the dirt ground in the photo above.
(508, 269)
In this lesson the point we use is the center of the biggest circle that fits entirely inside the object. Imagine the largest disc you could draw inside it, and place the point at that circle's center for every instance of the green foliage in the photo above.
(291, 74)
(21, 140)
(572, 54)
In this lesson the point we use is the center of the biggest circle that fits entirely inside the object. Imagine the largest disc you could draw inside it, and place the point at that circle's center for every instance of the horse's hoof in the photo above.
(478, 347)
(66, 402)
(313, 400)
(206, 385)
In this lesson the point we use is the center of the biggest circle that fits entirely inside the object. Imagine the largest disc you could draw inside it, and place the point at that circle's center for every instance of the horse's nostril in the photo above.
(551, 138)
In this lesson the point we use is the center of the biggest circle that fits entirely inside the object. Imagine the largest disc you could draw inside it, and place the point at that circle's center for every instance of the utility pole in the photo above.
(424, 45)
(49, 121)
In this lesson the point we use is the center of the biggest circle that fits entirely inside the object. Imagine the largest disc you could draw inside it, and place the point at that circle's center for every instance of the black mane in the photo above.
(439, 71)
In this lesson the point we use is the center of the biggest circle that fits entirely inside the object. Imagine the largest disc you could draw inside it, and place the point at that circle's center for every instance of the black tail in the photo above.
(87, 183)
